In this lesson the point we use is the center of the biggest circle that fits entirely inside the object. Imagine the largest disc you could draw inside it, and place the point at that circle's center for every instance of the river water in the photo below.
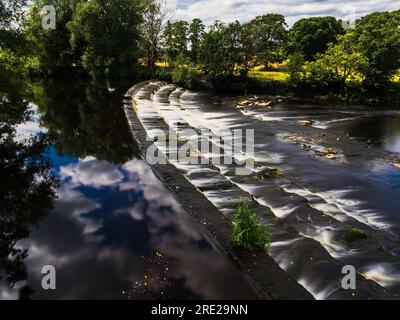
(314, 202)
(115, 231)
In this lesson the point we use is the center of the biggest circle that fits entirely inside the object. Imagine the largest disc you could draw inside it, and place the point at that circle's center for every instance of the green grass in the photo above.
(248, 232)
(269, 75)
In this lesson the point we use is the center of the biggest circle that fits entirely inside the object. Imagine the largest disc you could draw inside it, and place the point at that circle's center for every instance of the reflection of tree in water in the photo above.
(85, 119)
(155, 283)
(27, 192)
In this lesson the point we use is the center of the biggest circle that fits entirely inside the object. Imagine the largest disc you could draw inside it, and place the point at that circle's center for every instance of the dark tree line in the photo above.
(27, 187)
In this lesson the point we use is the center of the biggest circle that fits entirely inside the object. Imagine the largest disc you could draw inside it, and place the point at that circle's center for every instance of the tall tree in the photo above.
(27, 188)
(268, 35)
(379, 40)
(311, 36)
(344, 60)
(223, 52)
(109, 32)
(12, 62)
(175, 39)
(52, 47)
(196, 33)
(154, 18)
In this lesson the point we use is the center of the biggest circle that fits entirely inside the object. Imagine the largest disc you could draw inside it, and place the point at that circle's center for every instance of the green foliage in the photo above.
(108, 32)
(154, 15)
(268, 36)
(52, 47)
(185, 74)
(311, 36)
(359, 64)
(196, 33)
(27, 190)
(344, 59)
(247, 231)
(164, 74)
(295, 66)
(378, 36)
(175, 40)
(13, 63)
(222, 52)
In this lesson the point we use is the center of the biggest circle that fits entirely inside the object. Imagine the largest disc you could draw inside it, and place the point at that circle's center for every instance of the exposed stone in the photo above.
(305, 122)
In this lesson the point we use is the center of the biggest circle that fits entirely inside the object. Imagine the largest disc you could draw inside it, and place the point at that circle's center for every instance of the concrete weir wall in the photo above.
(262, 271)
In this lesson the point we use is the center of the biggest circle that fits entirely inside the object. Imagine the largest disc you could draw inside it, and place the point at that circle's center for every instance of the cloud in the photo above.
(293, 10)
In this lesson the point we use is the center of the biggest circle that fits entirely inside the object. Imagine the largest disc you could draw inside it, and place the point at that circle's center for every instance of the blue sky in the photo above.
(293, 10)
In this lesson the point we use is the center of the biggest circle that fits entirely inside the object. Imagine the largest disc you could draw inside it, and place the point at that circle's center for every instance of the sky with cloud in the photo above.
(293, 10)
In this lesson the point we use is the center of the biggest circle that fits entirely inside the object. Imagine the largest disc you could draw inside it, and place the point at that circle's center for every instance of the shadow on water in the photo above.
(114, 231)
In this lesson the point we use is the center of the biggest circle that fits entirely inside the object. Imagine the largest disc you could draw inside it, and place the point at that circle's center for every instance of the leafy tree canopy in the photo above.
(378, 36)
(311, 36)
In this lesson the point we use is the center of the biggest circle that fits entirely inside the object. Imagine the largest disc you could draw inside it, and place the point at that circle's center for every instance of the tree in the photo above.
(311, 36)
(378, 36)
(175, 39)
(13, 63)
(108, 31)
(212, 51)
(154, 18)
(226, 50)
(295, 67)
(196, 33)
(268, 35)
(344, 59)
(11, 15)
(27, 190)
(52, 47)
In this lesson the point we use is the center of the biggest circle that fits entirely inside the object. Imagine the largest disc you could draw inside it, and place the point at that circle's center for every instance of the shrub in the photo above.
(185, 76)
(164, 74)
(247, 231)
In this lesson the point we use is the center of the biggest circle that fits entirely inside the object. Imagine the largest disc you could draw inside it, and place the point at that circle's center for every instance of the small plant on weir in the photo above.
(247, 231)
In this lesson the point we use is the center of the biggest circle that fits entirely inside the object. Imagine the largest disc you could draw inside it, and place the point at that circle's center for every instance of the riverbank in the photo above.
(269, 278)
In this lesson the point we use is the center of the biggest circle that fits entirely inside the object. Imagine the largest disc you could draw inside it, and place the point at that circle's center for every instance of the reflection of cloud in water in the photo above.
(179, 245)
(105, 219)
(154, 192)
(29, 128)
(92, 172)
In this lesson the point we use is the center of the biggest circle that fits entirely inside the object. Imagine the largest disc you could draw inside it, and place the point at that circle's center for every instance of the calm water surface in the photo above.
(115, 231)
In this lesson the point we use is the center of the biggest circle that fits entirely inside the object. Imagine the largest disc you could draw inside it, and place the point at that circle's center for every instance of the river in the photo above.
(319, 195)
(116, 232)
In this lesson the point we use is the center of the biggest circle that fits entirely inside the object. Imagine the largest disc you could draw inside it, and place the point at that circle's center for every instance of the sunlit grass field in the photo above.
(275, 73)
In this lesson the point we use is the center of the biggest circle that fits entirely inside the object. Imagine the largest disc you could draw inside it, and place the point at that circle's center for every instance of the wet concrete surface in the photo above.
(309, 205)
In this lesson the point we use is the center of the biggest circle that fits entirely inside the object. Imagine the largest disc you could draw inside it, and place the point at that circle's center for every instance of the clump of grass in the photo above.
(247, 231)
(354, 234)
